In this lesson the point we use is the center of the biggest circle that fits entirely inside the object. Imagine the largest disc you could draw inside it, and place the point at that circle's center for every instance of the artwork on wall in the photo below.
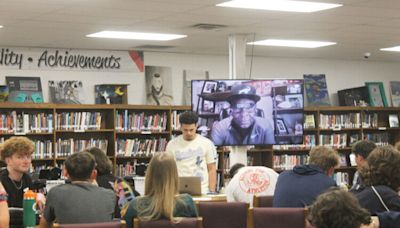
(188, 76)
(3, 93)
(158, 85)
(376, 91)
(354, 96)
(66, 92)
(24, 89)
(316, 90)
(395, 93)
(111, 94)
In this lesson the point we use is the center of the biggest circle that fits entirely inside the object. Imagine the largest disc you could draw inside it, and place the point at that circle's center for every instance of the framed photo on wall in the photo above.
(354, 96)
(210, 86)
(376, 92)
(395, 93)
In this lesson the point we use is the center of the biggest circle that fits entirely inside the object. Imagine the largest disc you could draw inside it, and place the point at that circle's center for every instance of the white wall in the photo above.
(340, 74)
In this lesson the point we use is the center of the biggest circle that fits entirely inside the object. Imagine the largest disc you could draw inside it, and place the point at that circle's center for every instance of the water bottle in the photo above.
(29, 216)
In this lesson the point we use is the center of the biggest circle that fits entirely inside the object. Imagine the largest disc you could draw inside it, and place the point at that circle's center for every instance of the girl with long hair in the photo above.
(161, 199)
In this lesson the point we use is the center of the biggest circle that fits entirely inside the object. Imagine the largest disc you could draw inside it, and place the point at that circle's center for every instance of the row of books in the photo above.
(308, 143)
(140, 147)
(334, 140)
(176, 125)
(20, 122)
(341, 178)
(132, 121)
(78, 121)
(43, 149)
(66, 147)
(287, 162)
(125, 169)
(380, 139)
(349, 120)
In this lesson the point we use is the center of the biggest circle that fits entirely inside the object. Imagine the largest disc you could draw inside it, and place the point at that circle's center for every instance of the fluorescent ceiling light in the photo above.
(292, 43)
(280, 5)
(1, 26)
(135, 35)
(396, 48)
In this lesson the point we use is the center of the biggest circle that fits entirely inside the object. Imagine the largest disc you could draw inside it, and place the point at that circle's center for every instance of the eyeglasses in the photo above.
(243, 106)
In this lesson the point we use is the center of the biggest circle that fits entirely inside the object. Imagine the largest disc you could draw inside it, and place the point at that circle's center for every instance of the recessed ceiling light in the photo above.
(292, 43)
(280, 5)
(396, 48)
(1, 26)
(136, 35)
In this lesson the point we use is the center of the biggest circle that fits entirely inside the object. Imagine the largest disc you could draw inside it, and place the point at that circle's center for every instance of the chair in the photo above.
(263, 217)
(223, 214)
(184, 223)
(113, 224)
(262, 201)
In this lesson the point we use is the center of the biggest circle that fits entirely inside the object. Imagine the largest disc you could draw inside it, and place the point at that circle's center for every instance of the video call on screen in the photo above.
(250, 112)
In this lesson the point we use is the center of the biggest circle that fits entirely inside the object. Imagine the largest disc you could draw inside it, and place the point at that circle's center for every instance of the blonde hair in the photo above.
(161, 186)
(324, 157)
(14, 145)
(397, 146)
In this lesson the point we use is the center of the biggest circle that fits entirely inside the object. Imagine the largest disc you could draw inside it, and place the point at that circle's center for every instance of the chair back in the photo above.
(269, 217)
(113, 224)
(163, 223)
(223, 214)
(262, 201)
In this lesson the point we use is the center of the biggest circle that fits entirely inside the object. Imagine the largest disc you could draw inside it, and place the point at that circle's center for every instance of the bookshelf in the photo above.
(130, 134)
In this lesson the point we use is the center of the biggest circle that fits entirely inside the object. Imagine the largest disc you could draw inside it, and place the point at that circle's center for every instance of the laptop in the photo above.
(190, 185)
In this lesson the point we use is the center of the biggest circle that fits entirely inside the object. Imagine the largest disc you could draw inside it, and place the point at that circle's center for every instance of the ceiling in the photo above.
(358, 27)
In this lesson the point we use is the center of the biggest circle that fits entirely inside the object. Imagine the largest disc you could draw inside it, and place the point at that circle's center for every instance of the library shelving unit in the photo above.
(339, 128)
(130, 134)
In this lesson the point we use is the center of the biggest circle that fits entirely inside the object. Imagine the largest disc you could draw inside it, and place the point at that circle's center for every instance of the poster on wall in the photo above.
(354, 96)
(158, 85)
(24, 89)
(111, 94)
(188, 76)
(3, 93)
(316, 90)
(66, 92)
(395, 93)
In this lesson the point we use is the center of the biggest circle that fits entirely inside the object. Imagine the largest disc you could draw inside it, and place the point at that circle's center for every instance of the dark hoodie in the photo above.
(299, 187)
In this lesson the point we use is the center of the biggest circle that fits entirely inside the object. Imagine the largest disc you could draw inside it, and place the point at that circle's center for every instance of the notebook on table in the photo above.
(190, 185)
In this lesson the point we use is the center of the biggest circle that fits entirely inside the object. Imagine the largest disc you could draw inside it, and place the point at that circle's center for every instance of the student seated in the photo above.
(80, 201)
(299, 187)
(361, 150)
(382, 180)
(106, 179)
(161, 199)
(249, 181)
(337, 209)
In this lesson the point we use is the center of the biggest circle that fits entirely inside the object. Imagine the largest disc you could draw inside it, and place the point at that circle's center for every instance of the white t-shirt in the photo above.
(250, 181)
(192, 157)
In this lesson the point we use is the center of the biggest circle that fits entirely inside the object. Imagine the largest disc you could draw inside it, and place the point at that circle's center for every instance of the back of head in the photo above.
(103, 163)
(19, 145)
(324, 157)
(235, 168)
(188, 117)
(337, 209)
(161, 184)
(397, 146)
(80, 166)
(363, 148)
(382, 168)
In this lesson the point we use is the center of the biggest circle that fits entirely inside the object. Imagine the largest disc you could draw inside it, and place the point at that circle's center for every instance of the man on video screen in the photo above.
(243, 127)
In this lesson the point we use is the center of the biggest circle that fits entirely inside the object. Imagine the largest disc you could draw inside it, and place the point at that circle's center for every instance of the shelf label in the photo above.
(79, 130)
(145, 132)
(382, 128)
(20, 133)
(336, 128)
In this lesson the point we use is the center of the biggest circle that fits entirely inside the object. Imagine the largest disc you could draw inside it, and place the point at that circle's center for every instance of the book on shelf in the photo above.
(393, 120)
(343, 160)
(341, 178)
(350, 120)
(309, 121)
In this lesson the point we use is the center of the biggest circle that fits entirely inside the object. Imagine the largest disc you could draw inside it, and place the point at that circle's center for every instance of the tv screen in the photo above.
(249, 112)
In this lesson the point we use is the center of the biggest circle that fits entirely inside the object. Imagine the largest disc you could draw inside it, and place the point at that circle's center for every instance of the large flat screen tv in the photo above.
(249, 112)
